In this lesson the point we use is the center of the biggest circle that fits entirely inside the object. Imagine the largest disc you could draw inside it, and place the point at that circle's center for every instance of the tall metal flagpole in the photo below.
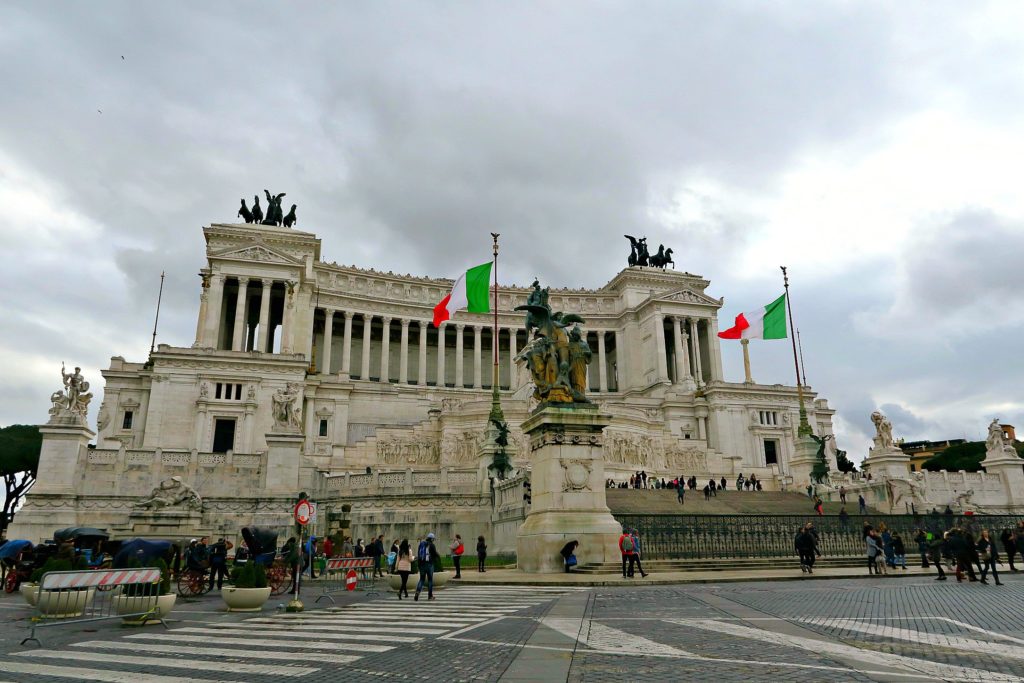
(803, 368)
(159, 298)
(805, 428)
(496, 413)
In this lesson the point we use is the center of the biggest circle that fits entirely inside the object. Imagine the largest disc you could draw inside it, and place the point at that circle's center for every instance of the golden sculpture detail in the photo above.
(557, 358)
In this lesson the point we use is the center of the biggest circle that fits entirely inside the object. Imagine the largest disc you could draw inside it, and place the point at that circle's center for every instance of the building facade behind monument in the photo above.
(307, 375)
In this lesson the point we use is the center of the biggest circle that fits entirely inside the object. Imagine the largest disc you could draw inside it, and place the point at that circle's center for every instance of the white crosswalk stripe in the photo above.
(271, 647)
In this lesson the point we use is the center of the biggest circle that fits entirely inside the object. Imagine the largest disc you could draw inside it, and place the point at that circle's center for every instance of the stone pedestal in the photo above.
(567, 482)
(802, 463)
(1009, 467)
(887, 463)
(163, 523)
(284, 458)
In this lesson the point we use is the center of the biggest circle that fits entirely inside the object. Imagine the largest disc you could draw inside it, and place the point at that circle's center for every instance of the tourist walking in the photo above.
(899, 551)
(626, 550)
(886, 538)
(481, 554)
(722, 483)
(739, 482)
(680, 492)
(392, 556)
(921, 538)
(707, 492)
(425, 555)
(844, 518)
(842, 495)
(862, 504)
(1009, 546)
(989, 555)
(568, 553)
(806, 547)
(457, 549)
(935, 550)
(874, 553)
(219, 561)
(403, 566)
(712, 487)
(959, 548)
(635, 535)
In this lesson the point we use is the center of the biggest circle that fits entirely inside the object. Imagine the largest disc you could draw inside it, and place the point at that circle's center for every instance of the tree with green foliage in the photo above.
(19, 462)
(844, 463)
(963, 456)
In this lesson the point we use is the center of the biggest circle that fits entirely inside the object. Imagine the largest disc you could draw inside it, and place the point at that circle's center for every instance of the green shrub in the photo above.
(51, 565)
(250, 575)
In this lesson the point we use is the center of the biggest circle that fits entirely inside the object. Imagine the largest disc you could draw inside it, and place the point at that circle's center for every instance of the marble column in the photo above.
(602, 364)
(715, 348)
(288, 318)
(422, 378)
(745, 343)
(659, 346)
(478, 332)
(203, 299)
(616, 371)
(513, 350)
(441, 330)
(264, 316)
(238, 342)
(682, 362)
(364, 371)
(403, 361)
(385, 350)
(459, 360)
(328, 341)
(346, 349)
(213, 311)
(695, 340)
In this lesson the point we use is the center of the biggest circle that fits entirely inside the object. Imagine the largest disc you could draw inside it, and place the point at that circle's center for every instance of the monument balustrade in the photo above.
(669, 537)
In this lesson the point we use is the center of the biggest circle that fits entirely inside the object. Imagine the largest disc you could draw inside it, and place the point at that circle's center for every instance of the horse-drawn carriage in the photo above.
(262, 544)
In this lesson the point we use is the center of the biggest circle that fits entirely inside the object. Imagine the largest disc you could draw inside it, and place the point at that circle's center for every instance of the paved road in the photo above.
(906, 629)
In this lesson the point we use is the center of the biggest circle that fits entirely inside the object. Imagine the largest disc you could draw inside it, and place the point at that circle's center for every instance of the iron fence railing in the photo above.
(667, 537)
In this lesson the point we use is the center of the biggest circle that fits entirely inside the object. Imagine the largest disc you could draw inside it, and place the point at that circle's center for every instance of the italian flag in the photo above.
(768, 322)
(470, 292)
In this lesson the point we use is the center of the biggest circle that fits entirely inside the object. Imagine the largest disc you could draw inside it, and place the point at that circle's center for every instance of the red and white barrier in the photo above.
(99, 577)
(336, 563)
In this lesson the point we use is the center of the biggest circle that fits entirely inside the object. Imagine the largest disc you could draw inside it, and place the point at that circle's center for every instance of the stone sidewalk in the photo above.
(515, 577)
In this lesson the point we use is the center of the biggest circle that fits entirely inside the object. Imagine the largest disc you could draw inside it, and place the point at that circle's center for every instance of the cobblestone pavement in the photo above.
(912, 629)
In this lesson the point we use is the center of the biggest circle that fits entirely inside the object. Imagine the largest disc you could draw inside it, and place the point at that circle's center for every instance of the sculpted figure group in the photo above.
(74, 400)
(639, 256)
(274, 214)
(556, 357)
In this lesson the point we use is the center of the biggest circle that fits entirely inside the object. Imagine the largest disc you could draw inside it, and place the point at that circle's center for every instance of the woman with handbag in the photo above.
(989, 555)
(403, 566)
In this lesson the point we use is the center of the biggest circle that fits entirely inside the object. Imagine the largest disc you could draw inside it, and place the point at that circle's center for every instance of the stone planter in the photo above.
(124, 604)
(66, 603)
(245, 599)
(30, 591)
(440, 581)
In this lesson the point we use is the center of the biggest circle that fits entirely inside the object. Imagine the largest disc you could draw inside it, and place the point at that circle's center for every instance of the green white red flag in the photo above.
(470, 292)
(768, 322)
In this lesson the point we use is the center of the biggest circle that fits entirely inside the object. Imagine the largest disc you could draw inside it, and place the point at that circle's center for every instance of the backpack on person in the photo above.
(627, 544)
(421, 551)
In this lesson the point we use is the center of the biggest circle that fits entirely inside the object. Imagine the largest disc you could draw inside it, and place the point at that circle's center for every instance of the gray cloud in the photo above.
(406, 133)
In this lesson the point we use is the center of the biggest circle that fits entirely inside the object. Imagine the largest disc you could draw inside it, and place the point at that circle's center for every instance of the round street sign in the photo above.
(303, 511)
(350, 580)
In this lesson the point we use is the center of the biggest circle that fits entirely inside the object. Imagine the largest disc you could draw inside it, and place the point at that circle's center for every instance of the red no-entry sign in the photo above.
(350, 580)
(303, 512)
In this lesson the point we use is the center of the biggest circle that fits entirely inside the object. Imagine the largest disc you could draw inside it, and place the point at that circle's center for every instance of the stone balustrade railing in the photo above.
(443, 480)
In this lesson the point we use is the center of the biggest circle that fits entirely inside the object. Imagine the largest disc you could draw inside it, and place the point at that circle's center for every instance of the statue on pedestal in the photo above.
(883, 428)
(173, 492)
(819, 473)
(73, 401)
(996, 445)
(286, 410)
(556, 360)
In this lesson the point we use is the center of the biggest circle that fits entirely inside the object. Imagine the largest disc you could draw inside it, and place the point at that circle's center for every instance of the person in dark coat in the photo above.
(806, 547)
(567, 551)
(921, 538)
(1009, 546)
(481, 554)
(935, 551)
(961, 552)
(989, 555)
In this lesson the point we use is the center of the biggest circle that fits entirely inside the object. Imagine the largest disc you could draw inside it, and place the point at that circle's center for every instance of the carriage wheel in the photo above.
(278, 578)
(192, 583)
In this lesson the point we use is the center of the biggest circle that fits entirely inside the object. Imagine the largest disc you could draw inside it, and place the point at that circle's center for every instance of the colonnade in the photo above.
(475, 374)
(213, 316)
(689, 350)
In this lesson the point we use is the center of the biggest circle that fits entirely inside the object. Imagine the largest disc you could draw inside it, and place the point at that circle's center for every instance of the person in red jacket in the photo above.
(628, 552)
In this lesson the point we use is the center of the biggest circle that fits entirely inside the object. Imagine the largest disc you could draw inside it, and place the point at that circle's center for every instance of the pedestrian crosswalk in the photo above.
(278, 646)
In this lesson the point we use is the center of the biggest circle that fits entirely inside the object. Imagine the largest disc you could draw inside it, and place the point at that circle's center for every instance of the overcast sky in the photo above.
(873, 147)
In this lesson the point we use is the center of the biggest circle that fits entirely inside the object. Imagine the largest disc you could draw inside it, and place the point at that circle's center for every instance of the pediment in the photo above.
(688, 296)
(255, 252)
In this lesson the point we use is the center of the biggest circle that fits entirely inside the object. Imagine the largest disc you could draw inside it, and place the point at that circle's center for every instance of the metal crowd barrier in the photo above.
(92, 595)
(335, 577)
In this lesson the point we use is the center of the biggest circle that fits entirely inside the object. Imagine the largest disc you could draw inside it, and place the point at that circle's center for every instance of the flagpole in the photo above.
(496, 413)
(805, 428)
(156, 320)
(803, 368)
